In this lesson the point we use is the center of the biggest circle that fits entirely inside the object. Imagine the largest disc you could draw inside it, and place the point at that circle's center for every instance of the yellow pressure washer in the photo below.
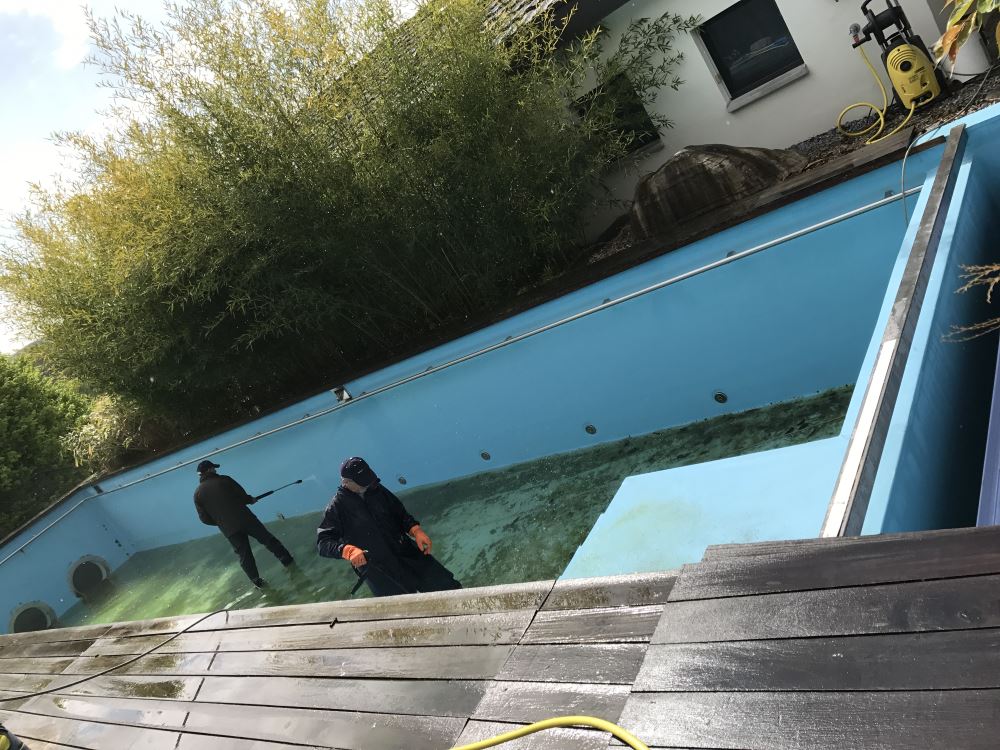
(916, 82)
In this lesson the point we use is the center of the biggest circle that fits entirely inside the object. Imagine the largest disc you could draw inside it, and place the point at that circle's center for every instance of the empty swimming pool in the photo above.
(681, 388)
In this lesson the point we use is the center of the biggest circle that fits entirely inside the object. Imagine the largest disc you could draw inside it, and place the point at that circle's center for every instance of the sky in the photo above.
(45, 88)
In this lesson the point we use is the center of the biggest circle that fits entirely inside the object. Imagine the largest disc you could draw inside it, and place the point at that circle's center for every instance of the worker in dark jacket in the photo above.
(368, 526)
(221, 501)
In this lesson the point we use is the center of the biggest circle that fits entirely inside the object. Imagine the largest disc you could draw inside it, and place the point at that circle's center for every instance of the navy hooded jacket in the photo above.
(376, 522)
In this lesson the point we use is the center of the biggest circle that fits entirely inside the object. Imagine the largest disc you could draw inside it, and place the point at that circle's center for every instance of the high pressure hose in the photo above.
(879, 125)
(560, 721)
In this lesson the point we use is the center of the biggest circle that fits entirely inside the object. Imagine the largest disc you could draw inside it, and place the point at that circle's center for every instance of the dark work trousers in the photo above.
(241, 546)
(425, 574)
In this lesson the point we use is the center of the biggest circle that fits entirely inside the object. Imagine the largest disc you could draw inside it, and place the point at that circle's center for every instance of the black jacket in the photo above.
(221, 501)
(377, 522)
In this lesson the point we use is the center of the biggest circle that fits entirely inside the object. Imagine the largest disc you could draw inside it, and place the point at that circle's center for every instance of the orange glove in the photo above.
(354, 555)
(423, 541)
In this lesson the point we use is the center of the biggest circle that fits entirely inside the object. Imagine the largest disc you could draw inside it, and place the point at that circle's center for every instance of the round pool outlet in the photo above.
(401, 480)
(720, 397)
(87, 574)
(31, 617)
(485, 456)
(590, 429)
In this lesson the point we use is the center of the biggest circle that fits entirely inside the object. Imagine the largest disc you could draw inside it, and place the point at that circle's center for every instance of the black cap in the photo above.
(205, 466)
(358, 470)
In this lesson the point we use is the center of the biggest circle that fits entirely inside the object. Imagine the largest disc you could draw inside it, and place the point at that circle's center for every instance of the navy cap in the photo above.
(205, 466)
(358, 470)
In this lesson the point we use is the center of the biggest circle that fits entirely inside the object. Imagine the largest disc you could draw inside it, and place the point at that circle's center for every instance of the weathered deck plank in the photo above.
(525, 702)
(950, 604)
(36, 665)
(181, 688)
(893, 560)
(553, 739)
(205, 742)
(184, 665)
(614, 591)
(411, 697)
(440, 663)
(77, 633)
(45, 648)
(602, 625)
(460, 630)
(930, 720)
(89, 735)
(490, 599)
(612, 663)
(719, 551)
(922, 661)
(346, 730)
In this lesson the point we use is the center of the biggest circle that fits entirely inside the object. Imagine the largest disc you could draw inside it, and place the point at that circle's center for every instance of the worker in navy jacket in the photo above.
(368, 526)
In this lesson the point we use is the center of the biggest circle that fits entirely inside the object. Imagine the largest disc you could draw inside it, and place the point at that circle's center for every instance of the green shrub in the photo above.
(295, 188)
(35, 414)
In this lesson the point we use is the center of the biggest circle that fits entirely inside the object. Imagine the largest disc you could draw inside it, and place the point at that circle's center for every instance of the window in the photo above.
(629, 113)
(750, 50)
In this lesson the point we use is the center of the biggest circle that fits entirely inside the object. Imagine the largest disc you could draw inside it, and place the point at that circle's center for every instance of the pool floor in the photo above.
(520, 523)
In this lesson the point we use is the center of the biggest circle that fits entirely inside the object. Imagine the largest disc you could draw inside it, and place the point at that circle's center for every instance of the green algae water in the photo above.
(520, 523)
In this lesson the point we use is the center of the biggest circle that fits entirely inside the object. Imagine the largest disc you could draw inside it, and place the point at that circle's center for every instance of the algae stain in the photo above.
(150, 688)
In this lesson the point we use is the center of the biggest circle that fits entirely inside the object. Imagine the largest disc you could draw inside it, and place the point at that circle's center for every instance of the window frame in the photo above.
(734, 103)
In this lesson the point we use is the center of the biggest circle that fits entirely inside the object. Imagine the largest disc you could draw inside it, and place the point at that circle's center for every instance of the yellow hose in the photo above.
(879, 111)
(561, 721)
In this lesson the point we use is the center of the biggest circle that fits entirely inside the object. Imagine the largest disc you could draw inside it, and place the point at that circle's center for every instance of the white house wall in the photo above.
(803, 108)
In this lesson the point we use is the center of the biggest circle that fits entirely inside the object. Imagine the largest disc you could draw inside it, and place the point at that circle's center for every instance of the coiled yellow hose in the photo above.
(560, 721)
(879, 124)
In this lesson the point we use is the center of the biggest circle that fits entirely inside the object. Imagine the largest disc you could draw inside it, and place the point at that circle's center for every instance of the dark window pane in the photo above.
(750, 45)
(628, 111)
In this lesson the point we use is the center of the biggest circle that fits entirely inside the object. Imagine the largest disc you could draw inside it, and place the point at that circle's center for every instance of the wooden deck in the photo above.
(881, 643)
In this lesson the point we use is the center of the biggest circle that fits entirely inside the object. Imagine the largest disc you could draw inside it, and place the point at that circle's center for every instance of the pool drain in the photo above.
(88, 574)
(31, 617)
(720, 397)
(485, 456)
(590, 429)
(401, 480)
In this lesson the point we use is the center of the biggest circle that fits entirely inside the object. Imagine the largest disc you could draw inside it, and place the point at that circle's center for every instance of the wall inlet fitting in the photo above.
(590, 429)
(720, 397)
(87, 574)
(341, 393)
(31, 617)
(401, 480)
(485, 456)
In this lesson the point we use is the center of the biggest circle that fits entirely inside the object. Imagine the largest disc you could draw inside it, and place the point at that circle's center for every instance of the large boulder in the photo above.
(701, 180)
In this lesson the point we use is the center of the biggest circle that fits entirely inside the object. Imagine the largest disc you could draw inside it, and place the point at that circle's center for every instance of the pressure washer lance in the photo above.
(276, 489)
(9, 742)
(362, 577)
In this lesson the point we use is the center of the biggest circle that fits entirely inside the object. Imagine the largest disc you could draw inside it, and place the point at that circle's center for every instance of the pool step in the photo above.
(820, 564)
(748, 549)
(889, 642)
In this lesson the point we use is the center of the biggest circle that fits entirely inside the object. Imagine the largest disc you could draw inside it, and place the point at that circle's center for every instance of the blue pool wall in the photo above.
(789, 322)
(932, 465)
